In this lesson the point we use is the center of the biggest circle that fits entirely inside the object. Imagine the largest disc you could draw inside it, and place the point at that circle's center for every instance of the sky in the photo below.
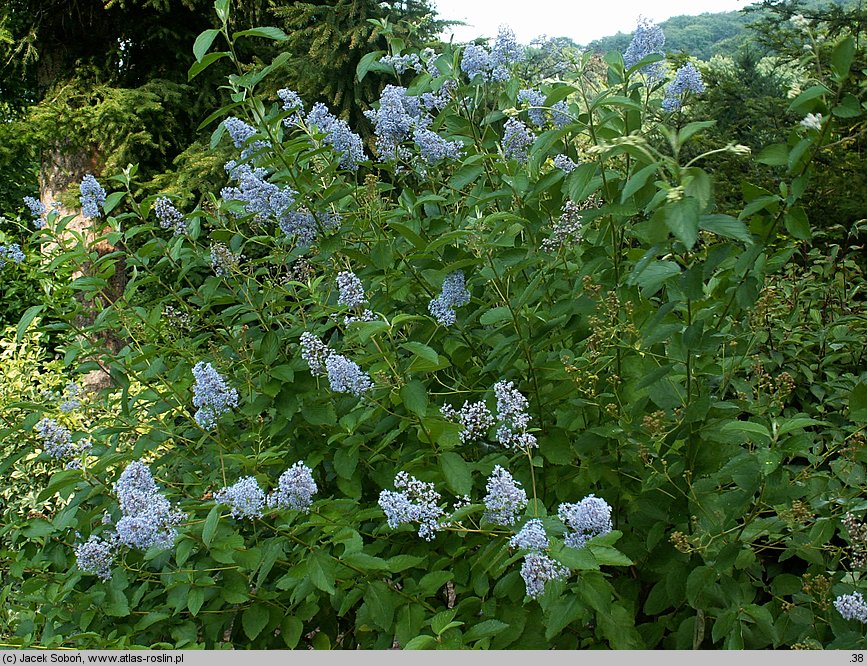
(581, 20)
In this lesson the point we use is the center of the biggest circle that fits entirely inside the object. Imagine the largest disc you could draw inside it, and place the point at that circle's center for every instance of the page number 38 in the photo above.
(857, 658)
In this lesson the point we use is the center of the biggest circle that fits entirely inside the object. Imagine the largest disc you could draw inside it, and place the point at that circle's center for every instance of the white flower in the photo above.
(812, 121)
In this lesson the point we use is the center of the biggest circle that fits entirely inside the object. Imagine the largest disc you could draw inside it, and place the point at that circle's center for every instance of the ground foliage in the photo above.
(699, 371)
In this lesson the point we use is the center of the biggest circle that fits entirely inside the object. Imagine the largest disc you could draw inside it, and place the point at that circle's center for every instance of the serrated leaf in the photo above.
(203, 43)
(681, 217)
(414, 397)
(456, 472)
(423, 642)
(195, 599)
(726, 226)
(380, 601)
(25, 321)
(495, 316)
(254, 619)
(607, 555)
(266, 32)
(858, 403)
(210, 527)
(842, 56)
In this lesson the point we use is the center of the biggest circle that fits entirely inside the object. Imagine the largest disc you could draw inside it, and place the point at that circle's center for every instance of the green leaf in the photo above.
(456, 472)
(638, 181)
(747, 427)
(441, 620)
(414, 397)
(651, 278)
(465, 175)
(198, 67)
(797, 224)
(210, 527)
(607, 555)
(321, 572)
(367, 63)
(484, 629)
(195, 599)
(423, 352)
(203, 43)
(802, 103)
(858, 403)
(697, 583)
(111, 201)
(577, 559)
(776, 154)
(423, 642)
(841, 58)
(254, 619)
(681, 217)
(290, 630)
(25, 321)
(266, 32)
(380, 601)
(222, 9)
(495, 315)
(726, 226)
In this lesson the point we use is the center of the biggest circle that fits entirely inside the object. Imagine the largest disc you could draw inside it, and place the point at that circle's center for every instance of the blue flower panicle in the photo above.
(92, 197)
(351, 291)
(687, 80)
(37, 210)
(454, 294)
(648, 39)
(514, 419)
(12, 252)
(505, 499)
(148, 518)
(212, 395)
(95, 556)
(245, 498)
(531, 537)
(537, 570)
(169, 216)
(852, 607)
(338, 135)
(591, 517)
(295, 489)
(517, 138)
(413, 501)
(475, 419)
(344, 376)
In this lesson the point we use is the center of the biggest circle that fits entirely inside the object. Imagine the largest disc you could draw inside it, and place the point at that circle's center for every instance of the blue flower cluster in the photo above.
(413, 501)
(537, 570)
(531, 537)
(315, 352)
(588, 518)
(71, 396)
(260, 197)
(537, 112)
(12, 252)
(454, 294)
(852, 607)
(148, 519)
(517, 138)
(564, 163)
(647, 40)
(351, 291)
(37, 210)
(211, 395)
(401, 63)
(92, 197)
(344, 376)
(304, 227)
(223, 260)
(169, 216)
(401, 116)
(240, 133)
(505, 499)
(475, 419)
(567, 230)
(95, 556)
(295, 489)
(439, 99)
(57, 443)
(338, 135)
(687, 80)
(245, 497)
(492, 65)
(514, 419)
(291, 102)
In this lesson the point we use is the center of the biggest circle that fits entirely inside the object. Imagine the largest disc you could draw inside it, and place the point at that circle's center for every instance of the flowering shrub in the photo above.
(610, 478)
